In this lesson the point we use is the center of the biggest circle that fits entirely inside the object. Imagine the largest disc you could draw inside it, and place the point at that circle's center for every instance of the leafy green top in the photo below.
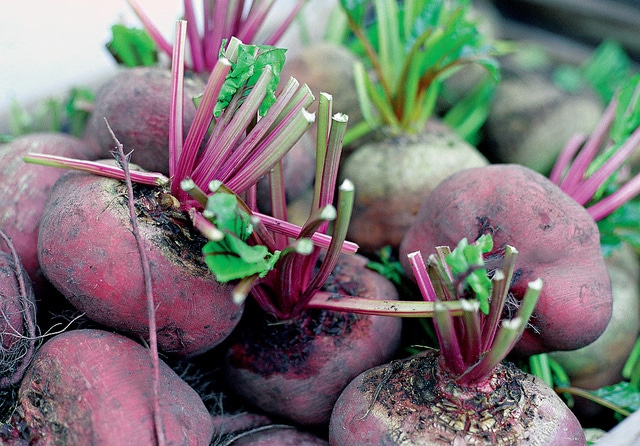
(411, 47)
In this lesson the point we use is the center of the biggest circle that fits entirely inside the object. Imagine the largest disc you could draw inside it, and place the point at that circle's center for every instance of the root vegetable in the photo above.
(297, 368)
(24, 188)
(392, 177)
(17, 317)
(282, 435)
(463, 393)
(88, 253)
(600, 363)
(136, 103)
(558, 240)
(412, 402)
(95, 387)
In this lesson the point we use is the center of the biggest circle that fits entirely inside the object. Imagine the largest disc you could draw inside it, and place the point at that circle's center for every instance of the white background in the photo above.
(49, 46)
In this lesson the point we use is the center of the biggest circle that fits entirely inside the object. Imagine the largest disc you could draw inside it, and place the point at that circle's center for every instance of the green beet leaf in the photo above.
(232, 258)
(251, 60)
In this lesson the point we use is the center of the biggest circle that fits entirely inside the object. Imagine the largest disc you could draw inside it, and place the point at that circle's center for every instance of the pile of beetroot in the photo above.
(158, 291)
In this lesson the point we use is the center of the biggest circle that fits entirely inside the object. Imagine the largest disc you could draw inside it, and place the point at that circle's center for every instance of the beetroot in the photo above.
(24, 188)
(281, 435)
(464, 393)
(95, 387)
(297, 368)
(136, 103)
(86, 216)
(559, 242)
(411, 402)
(17, 317)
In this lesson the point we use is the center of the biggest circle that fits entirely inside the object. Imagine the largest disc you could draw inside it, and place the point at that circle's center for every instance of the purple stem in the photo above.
(195, 44)
(257, 13)
(590, 186)
(571, 183)
(154, 32)
(609, 204)
(177, 97)
(277, 34)
(564, 158)
(422, 277)
(200, 125)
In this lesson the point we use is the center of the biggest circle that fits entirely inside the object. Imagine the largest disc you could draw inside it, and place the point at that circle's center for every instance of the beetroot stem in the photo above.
(325, 110)
(345, 207)
(195, 44)
(177, 97)
(508, 334)
(360, 305)
(277, 33)
(564, 158)
(201, 122)
(609, 204)
(153, 31)
(96, 168)
(590, 186)
(571, 182)
(499, 292)
(293, 230)
(450, 349)
(422, 276)
(222, 144)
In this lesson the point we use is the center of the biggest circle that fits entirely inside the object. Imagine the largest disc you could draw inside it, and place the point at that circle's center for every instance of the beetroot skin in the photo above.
(412, 402)
(296, 369)
(24, 188)
(88, 252)
(557, 241)
(92, 387)
(136, 103)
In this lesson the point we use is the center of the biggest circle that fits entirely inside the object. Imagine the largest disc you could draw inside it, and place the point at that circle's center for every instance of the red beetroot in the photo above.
(464, 393)
(413, 402)
(136, 103)
(297, 368)
(558, 240)
(86, 216)
(24, 188)
(95, 387)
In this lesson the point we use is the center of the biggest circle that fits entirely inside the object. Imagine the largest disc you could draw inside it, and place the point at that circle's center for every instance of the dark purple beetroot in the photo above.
(136, 104)
(558, 241)
(297, 368)
(88, 252)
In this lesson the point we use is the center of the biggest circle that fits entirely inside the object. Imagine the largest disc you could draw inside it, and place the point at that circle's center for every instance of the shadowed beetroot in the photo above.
(297, 368)
(558, 240)
(86, 216)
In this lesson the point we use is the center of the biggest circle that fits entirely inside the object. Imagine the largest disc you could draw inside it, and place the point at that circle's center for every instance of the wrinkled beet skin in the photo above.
(88, 252)
(556, 238)
(297, 369)
(136, 103)
(95, 387)
(413, 402)
(24, 188)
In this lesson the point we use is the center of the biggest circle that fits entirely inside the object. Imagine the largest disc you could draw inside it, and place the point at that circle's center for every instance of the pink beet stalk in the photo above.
(581, 175)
